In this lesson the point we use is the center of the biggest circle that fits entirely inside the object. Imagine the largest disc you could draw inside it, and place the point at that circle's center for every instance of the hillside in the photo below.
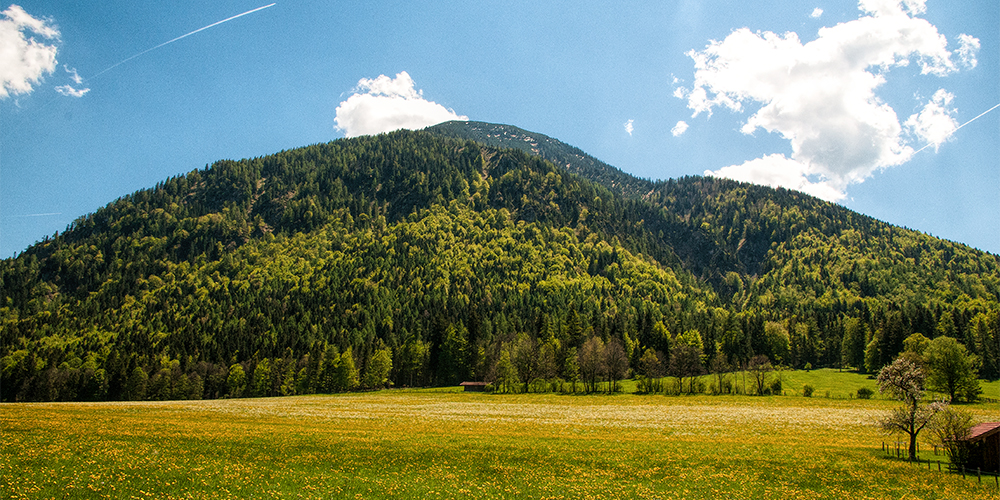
(429, 257)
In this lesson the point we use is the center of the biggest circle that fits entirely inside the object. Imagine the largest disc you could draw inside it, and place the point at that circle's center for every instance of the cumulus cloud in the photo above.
(679, 129)
(820, 95)
(629, 127)
(24, 60)
(778, 171)
(816, 13)
(967, 48)
(935, 123)
(385, 104)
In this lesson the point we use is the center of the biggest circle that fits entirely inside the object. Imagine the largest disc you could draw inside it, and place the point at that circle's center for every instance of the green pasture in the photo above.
(448, 444)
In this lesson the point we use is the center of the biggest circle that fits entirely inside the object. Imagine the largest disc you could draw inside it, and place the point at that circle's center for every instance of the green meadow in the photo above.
(448, 444)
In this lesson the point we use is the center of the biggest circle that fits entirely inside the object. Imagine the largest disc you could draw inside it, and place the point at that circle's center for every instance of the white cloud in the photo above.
(816, 13)
(778, 171)
(820, 96)
(69, 91)
(679, 129)
(935, 123)
(24, 60)
(77, 79)
(893, 7)
(968, 46)
(385, 104)
(629, 127)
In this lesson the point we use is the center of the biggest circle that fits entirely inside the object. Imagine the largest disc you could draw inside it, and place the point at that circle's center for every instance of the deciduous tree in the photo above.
(760, 370)
(617, 364)
(592, 365)
(904, 379)
(685, 365)
(950, 428)
(951, 369)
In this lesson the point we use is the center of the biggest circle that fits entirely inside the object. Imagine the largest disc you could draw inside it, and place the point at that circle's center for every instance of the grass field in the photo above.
(446, 444)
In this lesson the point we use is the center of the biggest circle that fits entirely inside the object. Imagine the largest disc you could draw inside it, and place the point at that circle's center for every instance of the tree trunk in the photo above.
(913, 447)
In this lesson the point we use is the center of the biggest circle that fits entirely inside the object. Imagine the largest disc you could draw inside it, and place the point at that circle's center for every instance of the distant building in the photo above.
(984, 447)
(474, 386)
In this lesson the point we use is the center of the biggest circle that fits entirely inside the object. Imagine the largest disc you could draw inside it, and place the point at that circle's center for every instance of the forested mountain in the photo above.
(432, 257)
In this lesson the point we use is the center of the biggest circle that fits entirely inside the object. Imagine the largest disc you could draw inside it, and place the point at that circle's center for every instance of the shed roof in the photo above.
(983, 430)
(472, 383)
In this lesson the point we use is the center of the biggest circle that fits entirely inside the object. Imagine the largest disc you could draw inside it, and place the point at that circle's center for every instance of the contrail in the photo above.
(960, 126)
(113, 66)
(38, 215)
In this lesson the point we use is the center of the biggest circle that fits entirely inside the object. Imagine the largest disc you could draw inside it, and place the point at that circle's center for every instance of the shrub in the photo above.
(556, 385)
(865, 393)
(951, 428)
(539, 385)
(807, 390)
(648, 385)
(776, 387)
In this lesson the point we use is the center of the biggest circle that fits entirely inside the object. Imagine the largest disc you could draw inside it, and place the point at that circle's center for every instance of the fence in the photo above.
(898, 452)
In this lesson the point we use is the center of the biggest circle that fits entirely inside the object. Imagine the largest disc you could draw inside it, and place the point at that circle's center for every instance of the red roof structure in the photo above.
(984, 446)
(474, 386)
(983, 431)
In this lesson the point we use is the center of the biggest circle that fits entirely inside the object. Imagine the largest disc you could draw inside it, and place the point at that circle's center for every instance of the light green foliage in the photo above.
(661, 339)
(507, 378)
(135, 388)
(378, 368)
(951, 369)
(345, 372)
(777, 340)
(261, 385)
(453, 364)
(853, 344)
(571, 368)
(414, 360)
(236, 381)
(873, 353)
(916, 344)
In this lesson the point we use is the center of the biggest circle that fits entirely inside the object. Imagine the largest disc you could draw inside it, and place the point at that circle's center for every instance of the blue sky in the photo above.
(831, 97)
